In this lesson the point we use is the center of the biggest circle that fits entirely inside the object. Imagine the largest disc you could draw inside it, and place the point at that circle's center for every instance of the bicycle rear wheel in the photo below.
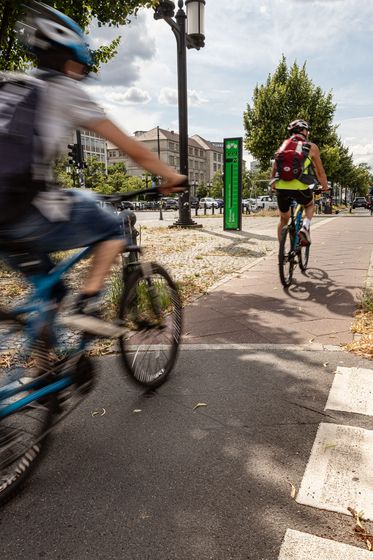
(286, 257)
(151, 312)
(22, 433)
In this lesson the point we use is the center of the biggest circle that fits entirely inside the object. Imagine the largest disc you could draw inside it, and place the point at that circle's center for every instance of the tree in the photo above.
(217, 185)
(287, 95)
(107, 12)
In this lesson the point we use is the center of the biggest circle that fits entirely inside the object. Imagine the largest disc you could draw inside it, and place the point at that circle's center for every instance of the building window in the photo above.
(171, 145)
(171, 160)
(215, 167)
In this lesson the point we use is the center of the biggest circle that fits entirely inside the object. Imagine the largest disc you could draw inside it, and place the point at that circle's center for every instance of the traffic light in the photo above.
(73, 154)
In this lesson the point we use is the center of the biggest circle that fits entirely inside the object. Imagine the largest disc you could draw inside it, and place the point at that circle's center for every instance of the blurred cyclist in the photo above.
(36, 212)
(297, 153)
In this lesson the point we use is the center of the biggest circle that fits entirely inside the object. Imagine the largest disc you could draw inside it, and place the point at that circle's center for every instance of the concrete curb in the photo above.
(369, 280)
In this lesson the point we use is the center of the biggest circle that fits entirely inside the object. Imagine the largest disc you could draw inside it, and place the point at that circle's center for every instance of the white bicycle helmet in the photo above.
(45, 29)
(298, 125)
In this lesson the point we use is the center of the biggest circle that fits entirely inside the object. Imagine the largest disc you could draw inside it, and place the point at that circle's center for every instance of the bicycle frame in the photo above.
(295, 220)
(45, 314)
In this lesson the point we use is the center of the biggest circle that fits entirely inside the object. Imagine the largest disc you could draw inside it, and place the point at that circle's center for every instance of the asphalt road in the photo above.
(173, 483)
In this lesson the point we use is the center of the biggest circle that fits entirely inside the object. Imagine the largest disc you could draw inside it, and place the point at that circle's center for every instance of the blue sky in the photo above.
(244, 43)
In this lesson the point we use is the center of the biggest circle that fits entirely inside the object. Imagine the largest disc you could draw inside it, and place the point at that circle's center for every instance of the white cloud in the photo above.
(243, 45)
(119, 95)
(169, 96)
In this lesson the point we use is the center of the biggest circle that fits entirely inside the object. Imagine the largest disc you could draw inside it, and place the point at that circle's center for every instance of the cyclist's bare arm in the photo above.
(319, 168)
(140, 154)
(273, 174)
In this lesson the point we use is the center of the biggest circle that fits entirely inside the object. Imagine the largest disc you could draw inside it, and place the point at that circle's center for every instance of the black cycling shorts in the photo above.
(285, 198)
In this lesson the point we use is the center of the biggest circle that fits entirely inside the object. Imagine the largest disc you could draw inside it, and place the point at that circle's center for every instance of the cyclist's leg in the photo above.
(88, 225)
(305, 198)
(283, 201)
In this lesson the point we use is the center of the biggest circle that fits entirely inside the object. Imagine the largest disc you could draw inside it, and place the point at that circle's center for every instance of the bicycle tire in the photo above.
(285, 257)
(22, 434)
(152, 333)
(304, 255)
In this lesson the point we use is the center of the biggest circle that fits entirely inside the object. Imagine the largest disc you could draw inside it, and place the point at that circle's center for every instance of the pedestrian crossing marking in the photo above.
(339, 473)
(352, 391)
(303, 546)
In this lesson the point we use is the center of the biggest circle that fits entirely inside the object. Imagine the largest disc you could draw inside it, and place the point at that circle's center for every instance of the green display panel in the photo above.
(232, 183)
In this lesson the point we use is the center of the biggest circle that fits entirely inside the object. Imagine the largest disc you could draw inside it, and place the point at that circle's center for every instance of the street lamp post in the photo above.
(188, 28)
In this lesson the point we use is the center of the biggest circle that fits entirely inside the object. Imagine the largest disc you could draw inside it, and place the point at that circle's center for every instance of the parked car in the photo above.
(360, 202)
(170, 203)
(126, 205)
(220, 202)
(266, 203)
(209, 201)
(194, 202)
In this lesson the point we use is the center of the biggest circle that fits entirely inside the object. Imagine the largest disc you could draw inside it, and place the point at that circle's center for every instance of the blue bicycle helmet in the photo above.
(46, 29)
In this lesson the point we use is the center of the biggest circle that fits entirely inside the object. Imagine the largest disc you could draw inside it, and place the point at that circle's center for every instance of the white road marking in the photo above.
(339, 472)
(303, 546)
(352, 391)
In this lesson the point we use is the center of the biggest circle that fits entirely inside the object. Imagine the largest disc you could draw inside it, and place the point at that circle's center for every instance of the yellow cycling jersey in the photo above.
(295, 184)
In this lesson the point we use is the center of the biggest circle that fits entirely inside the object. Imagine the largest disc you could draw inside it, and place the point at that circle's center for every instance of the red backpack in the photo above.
(291, 157)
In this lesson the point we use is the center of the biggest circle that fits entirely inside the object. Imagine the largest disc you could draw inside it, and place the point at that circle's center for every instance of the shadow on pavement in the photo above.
(315, 285)
(178, 482)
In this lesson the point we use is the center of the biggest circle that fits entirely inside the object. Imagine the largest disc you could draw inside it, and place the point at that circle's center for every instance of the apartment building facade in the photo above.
(204, 157)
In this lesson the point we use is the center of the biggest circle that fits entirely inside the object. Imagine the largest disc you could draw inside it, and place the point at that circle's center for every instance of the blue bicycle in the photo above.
(291, 251)
(45, 369)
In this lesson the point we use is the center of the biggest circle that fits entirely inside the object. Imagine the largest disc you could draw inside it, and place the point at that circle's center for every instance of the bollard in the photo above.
(213, 209)
(197, 210)
(205, 208)
(220, 210)
(160, 212)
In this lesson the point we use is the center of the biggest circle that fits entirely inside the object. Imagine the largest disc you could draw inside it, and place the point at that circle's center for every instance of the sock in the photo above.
(306, 223)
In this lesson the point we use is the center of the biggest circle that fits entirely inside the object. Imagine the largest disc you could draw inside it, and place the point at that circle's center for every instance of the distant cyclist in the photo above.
(297, 165)
(32, 208)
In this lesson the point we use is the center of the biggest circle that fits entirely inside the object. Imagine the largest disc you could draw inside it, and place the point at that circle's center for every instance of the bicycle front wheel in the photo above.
(22, 431)
(304, 255)
(151, 313)
(286, 257)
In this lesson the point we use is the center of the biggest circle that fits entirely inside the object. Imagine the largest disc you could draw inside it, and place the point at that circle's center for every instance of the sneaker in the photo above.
(305, 236)
(85, 316)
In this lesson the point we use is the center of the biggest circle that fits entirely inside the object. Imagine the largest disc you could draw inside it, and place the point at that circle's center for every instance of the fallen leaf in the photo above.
(137, 410)
(198, 405)
(293, 491)
(369, 544)
(98, 412)
(330, 445)
(312, 339)
(326, 364)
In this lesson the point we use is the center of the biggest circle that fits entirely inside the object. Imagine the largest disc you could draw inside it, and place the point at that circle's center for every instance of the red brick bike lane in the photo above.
(253, 307)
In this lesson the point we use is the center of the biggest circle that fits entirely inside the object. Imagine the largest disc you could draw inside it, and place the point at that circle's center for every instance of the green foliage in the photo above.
(217, 185)
(287, 95)
(202, 191)
(107, 12)
(359, 179)
(63, 177)
(255, 183)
